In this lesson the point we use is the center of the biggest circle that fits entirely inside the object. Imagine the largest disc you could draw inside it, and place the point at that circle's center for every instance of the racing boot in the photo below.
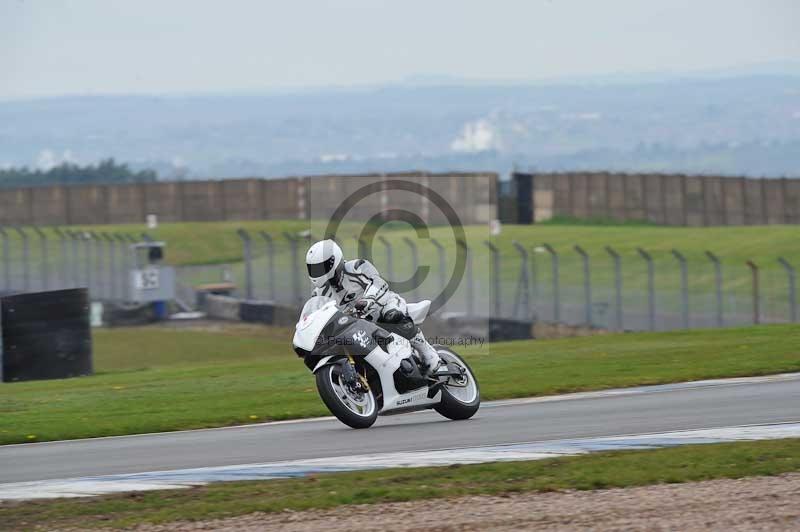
(431, 361)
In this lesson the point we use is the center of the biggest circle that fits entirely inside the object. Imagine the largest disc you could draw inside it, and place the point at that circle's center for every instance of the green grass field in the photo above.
(198, 243)
(594, 471)
(160, 379)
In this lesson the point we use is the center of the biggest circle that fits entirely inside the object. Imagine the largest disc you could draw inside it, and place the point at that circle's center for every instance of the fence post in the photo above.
(270, 262)
(495, 277)
(75, 251)
(684, 288)
(73, 258)
(440, 253)
(295, 266)
(717, 286)
(554, 264)
(111, 292)
(63, 255)
(414, 265)
(78, 255)
(248, 262)
(534, 284)
(43, 267)
(389, 261)
(6, 261)
(86, 238)
(470, 280)
(792, 274)
(132, 260)
(651, 289)
(99, 276)
(756, 292)
(617, 286)
(124, 263)
(522, 296)
(26, 259)
(361, 247)
(131, 257)
(587, 285)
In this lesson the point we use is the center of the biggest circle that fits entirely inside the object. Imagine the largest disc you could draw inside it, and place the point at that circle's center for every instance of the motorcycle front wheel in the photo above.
(461, 396)
(358, 410)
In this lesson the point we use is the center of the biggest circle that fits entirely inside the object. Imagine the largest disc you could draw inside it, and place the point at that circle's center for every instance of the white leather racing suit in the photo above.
(361, 280)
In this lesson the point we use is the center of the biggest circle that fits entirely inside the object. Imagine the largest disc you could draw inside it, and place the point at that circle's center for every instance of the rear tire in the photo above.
(453, 407)
(326, 379)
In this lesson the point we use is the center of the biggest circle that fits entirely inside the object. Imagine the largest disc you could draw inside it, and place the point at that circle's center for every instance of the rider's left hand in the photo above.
(364, 306)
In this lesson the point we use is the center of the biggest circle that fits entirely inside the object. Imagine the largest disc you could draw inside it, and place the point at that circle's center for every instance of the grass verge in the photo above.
(595, 471)
(159, 379)
(196, 243)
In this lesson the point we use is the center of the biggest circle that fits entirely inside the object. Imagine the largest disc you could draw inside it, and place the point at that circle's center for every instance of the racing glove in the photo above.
(365, 306)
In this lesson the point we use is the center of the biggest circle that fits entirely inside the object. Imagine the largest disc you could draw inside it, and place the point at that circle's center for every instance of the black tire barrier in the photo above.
(455, 327)
(119, 315)
(256, 311)
(46, 335)
(501, 329)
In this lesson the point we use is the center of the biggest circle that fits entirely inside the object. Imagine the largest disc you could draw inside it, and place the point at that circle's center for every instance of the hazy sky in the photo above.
(103, 46)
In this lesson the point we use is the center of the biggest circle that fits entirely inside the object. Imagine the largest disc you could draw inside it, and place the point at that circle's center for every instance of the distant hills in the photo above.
(729, 124)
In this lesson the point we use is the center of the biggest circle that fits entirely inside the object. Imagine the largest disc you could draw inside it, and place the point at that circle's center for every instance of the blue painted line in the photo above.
(87, 486)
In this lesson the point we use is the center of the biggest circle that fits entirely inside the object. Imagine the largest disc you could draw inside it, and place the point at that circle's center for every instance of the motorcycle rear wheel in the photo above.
(458, 401)
(352, 410)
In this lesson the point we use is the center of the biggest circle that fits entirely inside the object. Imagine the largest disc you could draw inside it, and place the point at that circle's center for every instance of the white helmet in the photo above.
(324, 259)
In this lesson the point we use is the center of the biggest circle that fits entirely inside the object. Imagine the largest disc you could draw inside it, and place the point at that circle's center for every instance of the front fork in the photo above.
(351, 377)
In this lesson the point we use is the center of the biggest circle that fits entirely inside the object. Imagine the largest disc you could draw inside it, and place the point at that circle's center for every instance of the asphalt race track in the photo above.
(708, 404)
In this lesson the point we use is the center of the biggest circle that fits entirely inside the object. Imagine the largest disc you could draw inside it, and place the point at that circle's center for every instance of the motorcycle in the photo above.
(363, 370)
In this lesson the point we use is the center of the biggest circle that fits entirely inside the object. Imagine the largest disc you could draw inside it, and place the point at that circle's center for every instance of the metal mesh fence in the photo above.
(35, 259)
(634, 289)
(610, 290)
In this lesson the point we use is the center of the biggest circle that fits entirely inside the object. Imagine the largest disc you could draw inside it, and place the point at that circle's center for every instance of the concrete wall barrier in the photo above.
(669, 199)
(221, 307)
(473, 195)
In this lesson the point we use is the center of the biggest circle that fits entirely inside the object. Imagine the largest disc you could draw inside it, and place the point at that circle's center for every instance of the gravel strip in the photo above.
(760, 503)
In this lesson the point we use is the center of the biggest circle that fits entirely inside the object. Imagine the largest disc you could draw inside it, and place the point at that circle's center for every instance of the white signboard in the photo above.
(152, 283)
(146, 279)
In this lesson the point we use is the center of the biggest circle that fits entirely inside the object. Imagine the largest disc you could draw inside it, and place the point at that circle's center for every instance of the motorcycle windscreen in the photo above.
(314, 304)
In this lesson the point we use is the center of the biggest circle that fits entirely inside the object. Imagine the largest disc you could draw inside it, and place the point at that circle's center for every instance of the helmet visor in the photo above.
(319, 269)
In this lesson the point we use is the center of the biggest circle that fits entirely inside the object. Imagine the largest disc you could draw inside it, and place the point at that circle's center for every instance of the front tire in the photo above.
(459, 400)
(358, 412)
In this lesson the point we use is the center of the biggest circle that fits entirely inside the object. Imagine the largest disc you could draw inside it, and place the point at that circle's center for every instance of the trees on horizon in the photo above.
(106, 171)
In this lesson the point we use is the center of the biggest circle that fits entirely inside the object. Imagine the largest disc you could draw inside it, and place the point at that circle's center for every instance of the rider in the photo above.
(357, 284)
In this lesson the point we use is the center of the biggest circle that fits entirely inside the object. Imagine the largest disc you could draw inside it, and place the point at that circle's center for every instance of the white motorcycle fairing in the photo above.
(316, 314)
(312, 321)
(386, 365)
